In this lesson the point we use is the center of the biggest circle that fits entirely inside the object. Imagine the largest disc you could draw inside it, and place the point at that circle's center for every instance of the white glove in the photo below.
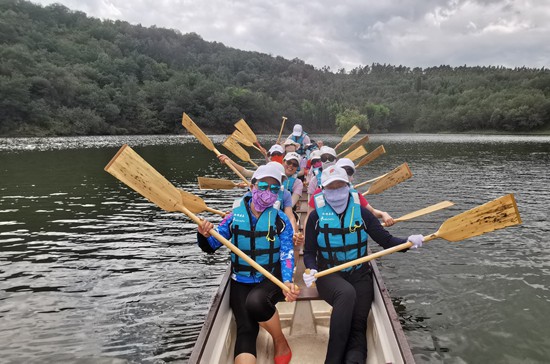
(416, 240)
(309, 278)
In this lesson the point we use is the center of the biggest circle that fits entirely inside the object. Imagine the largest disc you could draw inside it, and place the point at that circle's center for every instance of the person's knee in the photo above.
(346, 293)
(258, 307)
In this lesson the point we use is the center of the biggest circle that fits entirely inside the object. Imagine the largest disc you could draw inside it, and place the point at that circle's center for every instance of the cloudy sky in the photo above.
(349, 33)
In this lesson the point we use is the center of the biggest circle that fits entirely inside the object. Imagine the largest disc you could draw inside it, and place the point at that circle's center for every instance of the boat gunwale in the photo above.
(398, 331)
(211, 316)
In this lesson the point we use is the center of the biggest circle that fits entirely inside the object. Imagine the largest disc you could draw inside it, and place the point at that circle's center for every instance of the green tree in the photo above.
(350, 117)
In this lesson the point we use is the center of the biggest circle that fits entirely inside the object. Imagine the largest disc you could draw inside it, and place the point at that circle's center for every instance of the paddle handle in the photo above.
(281, 131)
(228, 163)
(371, 257)
(339, 155)
(369, 181)
(236, 250)
(214, 211)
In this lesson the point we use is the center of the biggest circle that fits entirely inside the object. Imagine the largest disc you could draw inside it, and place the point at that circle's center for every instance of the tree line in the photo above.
(64, 73)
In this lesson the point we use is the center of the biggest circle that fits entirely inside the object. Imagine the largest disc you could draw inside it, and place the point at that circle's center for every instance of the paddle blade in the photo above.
(233, 146)
(241, 138)
(395, 177)
(195, 204)
(350, 134)
(494, 215)
(356, 153)
(136, 173)
(197, 132)
(245, 129)
(371, 156)
(206, 183)
(355, 145)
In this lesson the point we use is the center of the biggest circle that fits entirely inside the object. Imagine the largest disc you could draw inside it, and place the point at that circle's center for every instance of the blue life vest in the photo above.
(289, 183)
(300, 140)
(340, 240)
(318, 175)
(261, 243)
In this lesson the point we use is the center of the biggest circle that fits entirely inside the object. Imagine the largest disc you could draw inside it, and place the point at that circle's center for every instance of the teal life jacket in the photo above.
(261, 242)
(340, 240)
(318, 175)
(289, 183)
(300, 140)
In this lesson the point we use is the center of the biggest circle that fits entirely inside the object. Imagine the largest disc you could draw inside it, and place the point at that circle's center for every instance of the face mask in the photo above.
(277, 158)
(317, 164)
(263, 199)
(338, 198)
(328, 164)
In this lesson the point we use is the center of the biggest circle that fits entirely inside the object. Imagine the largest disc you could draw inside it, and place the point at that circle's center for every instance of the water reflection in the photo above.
(89, 271)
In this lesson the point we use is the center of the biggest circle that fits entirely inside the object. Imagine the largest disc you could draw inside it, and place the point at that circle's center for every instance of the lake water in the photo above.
(91, 272)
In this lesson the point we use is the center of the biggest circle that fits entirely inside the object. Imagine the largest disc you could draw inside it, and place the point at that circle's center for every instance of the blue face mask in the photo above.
(338, 198)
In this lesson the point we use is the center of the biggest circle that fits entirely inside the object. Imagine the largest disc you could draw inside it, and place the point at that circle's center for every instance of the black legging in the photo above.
(251, 304)
(351, 296)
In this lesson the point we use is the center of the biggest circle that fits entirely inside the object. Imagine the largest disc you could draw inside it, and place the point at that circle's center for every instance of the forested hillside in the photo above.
(64, 73)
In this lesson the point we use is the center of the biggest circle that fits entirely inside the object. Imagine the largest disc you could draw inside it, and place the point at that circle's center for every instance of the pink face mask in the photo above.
(263, 199)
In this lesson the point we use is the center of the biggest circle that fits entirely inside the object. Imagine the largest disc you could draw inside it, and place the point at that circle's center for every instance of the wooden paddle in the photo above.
(371, 156)
(424, 211)
(356, 153)
(198, 133)
(493, 215)
(393, 178)
(281, 131)
(242, 139)
(207, 183)
(369, 181)
(139, 175)
(355, 145)
(234, 147)
(350, 134)
(247, 132)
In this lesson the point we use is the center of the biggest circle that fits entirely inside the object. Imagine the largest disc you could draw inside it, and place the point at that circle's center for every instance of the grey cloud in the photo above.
(354, 32)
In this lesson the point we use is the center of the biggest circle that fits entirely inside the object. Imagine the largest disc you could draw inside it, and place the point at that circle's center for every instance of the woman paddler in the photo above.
(265, 234)
(336, 233)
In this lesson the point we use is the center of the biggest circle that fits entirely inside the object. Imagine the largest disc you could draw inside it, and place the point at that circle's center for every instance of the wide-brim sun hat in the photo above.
(270, 169)
(292, 155)
(291, 142)
(333, 174)
(327, 150)
(316, 154)
(297, 130)
(345, 162)
(276, 148)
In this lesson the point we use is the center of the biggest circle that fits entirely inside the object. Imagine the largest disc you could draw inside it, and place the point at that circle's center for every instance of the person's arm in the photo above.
(310, 247)
(286, 250)
(386, 218)
(375, 230)
(297, 191)
(208, 243)
(245, 172)
(312, 186)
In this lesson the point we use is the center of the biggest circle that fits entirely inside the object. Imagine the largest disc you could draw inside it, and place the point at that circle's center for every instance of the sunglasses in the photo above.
(276, 154)
(327, 157)
(291, 163)
(263, 186)
(349, 171)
